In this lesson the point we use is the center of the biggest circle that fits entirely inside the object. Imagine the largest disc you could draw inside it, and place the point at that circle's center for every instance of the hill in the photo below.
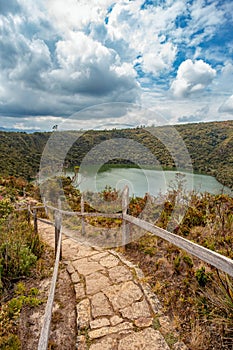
(209, 145)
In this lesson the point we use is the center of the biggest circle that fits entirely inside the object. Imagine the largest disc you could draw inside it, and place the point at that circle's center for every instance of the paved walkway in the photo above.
(115, 308)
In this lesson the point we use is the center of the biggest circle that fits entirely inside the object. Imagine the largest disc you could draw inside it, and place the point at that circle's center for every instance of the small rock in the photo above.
(120, 274)
(99, 322)
(75, 277)
(180, 346)
(98, 333)
(136, 310)
(100, 306)
(85, 267)
(106, 343)
(115, 320)
(81, 343)
(70, 269)
(148, 339)
(143, 322)
(109, 261)
(96, 282)
(79, 291)
(98, 256)
(165, 323)
(83, 314)
(123, 295)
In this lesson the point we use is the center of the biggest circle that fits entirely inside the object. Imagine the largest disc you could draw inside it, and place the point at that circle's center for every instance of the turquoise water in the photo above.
(141, 181)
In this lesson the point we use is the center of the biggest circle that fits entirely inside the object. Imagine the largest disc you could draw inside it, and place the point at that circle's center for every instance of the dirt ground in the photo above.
(63, 332)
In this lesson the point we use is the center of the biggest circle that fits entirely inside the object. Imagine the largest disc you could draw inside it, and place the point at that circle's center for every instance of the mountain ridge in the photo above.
(209, 144)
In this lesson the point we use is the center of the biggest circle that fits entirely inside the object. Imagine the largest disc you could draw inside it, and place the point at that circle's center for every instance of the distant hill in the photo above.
(210, 146)
(28, 131)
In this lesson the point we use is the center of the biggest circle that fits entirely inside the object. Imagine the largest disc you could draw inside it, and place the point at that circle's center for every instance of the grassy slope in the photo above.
(209, 145)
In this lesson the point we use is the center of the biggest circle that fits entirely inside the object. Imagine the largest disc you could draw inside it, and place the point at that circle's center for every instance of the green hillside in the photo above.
(209, 145)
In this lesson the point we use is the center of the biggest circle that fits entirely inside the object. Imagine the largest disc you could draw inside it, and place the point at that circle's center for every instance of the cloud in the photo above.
(198, 116)
(58, 57)
(38, 78)
(227, 106)
(192, 77)
(9, 6)
(88, 67)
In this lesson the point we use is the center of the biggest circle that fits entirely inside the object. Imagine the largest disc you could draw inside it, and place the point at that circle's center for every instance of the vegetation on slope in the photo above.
(209, 145)
(20, 249)
(197, 298)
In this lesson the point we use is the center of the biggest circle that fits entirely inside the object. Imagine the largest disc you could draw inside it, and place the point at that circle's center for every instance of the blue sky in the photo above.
(59, 56)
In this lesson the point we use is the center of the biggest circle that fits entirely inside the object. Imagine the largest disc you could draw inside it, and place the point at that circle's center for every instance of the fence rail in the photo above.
(215, 259)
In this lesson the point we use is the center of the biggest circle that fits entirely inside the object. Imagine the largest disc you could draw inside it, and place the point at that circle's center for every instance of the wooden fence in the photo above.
(217, 260)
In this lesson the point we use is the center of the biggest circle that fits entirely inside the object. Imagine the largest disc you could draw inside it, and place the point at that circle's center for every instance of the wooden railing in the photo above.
(215, 259)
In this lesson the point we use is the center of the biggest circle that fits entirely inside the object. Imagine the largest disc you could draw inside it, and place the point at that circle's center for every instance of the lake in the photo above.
(141, 181)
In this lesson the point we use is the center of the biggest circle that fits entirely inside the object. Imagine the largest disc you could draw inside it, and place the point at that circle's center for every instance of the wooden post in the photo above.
(35, 220)
(45, 206)
(58, 222)
(125, 204)
(82, 212)
(29, 214)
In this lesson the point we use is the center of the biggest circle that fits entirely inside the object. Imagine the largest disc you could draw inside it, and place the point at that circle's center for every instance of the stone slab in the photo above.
(98, 333)
(148, 339)
(83, 314)
(109, 261)
(100, 306)
(136, 310)
(85, 267)
(120, 274)
(123, 295)
(96, 282)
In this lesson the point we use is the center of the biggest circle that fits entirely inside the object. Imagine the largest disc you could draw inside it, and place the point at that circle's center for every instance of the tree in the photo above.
(55, 127)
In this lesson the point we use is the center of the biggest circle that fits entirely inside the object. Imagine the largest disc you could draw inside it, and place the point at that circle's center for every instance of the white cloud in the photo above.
(73, 15)
(59, 56)
(227, 106)
(223, 82)
(88, 67)
(192, 77)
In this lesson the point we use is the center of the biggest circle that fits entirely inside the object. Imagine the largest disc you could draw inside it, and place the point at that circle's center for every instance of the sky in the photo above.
(173, 58)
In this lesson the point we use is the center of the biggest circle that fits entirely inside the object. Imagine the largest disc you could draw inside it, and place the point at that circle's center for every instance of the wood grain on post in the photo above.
(58, 222)
(82, 213)
(29, 214)
(35, 220)
(125, 204)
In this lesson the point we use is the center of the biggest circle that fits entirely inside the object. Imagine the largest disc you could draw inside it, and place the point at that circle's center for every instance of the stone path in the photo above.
(115, 308)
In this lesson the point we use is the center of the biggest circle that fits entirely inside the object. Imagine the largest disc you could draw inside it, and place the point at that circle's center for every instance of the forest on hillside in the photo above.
(209, 146)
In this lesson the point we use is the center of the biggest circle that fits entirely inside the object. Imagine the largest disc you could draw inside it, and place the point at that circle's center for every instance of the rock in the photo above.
(70, 269)
(106, 343)
(75, 277)
(98, 333)
(96, 282)
(81, 343)
(79, 291)
(180, 346)
(99, 322)
(85, 267)
(136, 310)
(99, 256)
(123, 295)
(148, 339)
(143, 322)
(109, 261)
(115, 320)
(120, 274)
(100, 306)
(83, 314)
